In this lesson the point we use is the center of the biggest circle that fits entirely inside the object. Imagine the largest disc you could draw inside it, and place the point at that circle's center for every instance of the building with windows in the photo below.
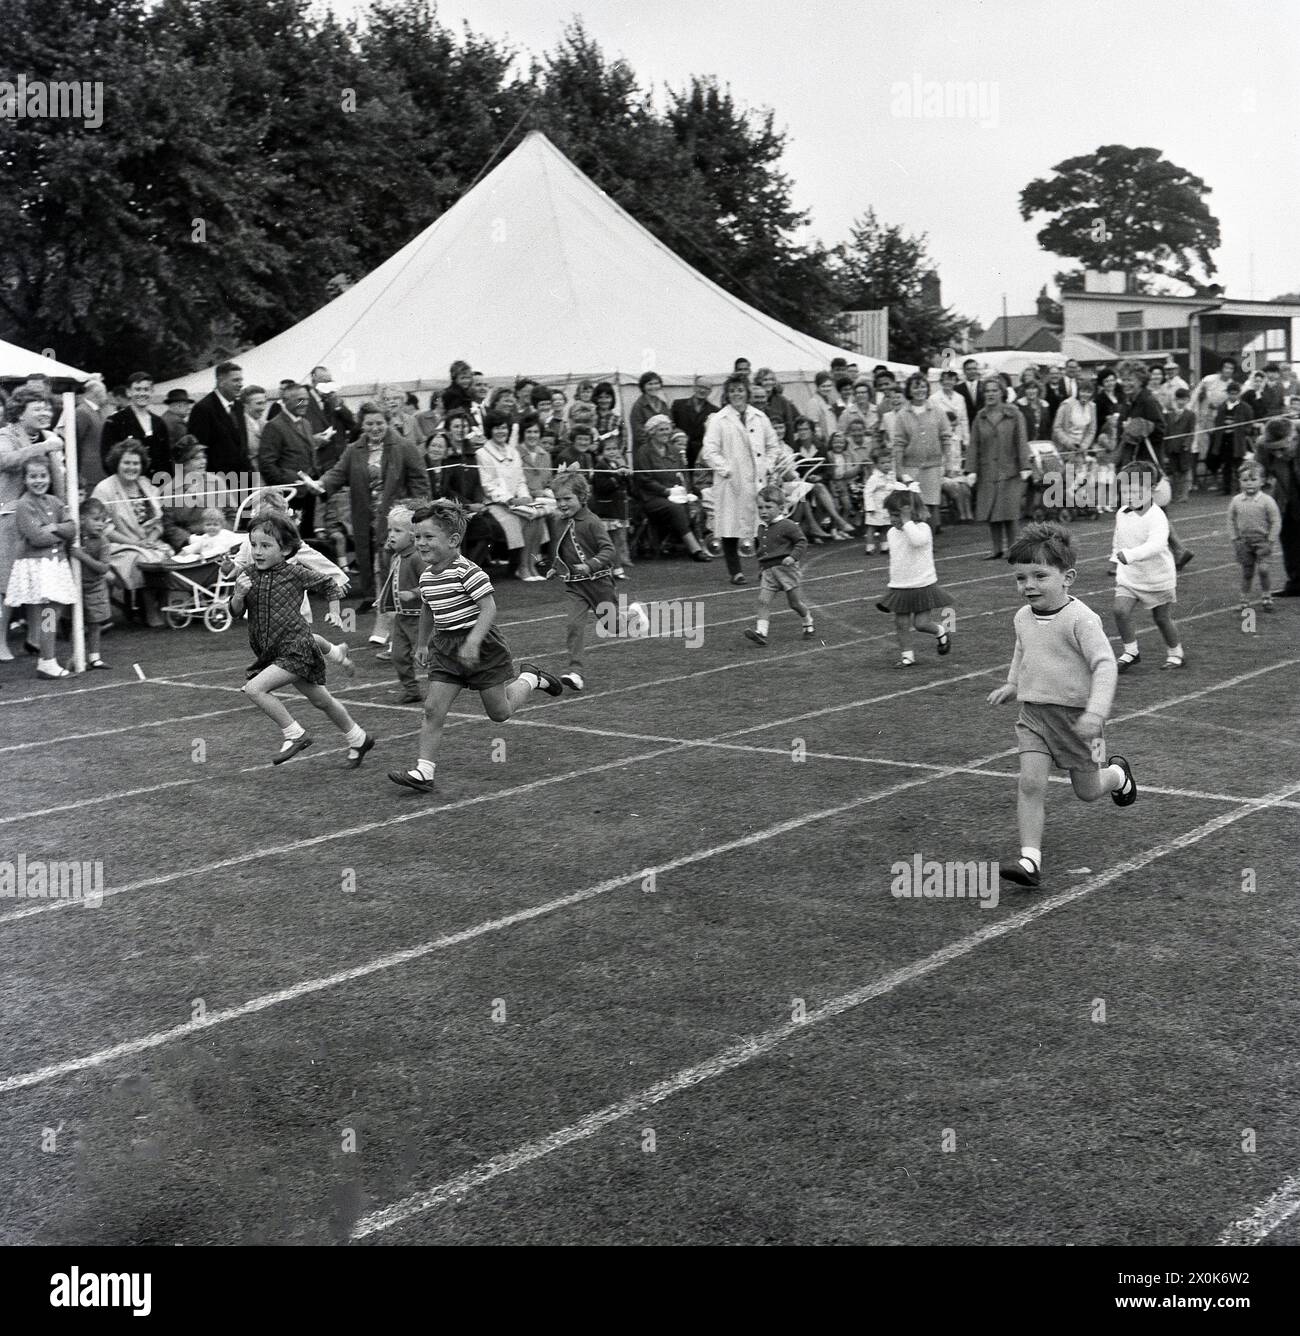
(1197, 332)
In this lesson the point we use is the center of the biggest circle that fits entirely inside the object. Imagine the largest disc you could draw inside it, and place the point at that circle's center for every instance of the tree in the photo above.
(1125, 208)
(882, 266)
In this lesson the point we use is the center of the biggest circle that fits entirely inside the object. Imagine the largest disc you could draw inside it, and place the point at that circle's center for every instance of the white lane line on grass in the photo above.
(1268, 1216)
(309, 986)
(757, 1046)
(293, 846)
(125, 728)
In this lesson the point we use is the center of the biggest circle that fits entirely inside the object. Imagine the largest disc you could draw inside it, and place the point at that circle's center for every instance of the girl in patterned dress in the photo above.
(287, 653)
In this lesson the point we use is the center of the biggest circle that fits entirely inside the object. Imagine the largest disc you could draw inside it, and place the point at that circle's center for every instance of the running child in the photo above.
(781, 545)
(914, 590)
(1256, 522)
(41, 574)
(273, 502)
(1146, 573)
(96, 573)
(458, 639)
(287, 652)
(1063, 674)
(584, 560)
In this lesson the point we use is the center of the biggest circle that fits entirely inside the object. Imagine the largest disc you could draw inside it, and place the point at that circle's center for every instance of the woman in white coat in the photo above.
(739, 443)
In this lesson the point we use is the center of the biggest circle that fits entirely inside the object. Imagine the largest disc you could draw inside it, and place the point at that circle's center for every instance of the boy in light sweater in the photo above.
(1255, 522)
(1145, 573)
(1063, 674)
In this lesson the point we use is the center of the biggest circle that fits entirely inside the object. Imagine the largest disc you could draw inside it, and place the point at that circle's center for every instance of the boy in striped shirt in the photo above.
(458, 640)
(1063, 674)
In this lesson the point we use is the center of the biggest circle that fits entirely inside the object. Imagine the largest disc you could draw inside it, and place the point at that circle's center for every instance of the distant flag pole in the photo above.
(70, 473)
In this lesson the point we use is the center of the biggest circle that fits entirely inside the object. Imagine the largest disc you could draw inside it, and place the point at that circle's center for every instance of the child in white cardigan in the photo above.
(1145, 573)
(914, 589)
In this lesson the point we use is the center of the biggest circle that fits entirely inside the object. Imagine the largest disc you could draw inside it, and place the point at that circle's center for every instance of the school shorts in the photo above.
(495, 666)
(1049, 729)
(780, 579)
(1148, 598)
(1250, 552)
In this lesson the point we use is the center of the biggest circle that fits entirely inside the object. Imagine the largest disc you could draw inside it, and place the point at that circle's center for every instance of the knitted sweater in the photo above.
(584, 539)
(1143, 538)
(1255, 517)
(1064, 658)
(778, 540)
(911, 557)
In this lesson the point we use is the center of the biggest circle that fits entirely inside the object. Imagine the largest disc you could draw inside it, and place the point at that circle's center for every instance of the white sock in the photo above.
(425, 768)
(1120, 777)
(337, 653)
(1131, 648)
(293, 731)
(1175, 652)
(1030, 855)
(355, 736)
(909, 656)
(761, 626)
(530, 679)
(48, 665)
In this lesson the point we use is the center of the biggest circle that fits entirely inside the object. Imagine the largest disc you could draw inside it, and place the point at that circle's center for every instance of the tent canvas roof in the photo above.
(533, 271)
(21, 362)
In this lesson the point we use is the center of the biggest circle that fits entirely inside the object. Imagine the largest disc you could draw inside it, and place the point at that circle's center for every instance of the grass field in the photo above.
(636, 975)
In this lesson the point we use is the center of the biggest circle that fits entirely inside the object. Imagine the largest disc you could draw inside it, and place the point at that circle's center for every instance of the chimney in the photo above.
(930, 292)
(1046, 307)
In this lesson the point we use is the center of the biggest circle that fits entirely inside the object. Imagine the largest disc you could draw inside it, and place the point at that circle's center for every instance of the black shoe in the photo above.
(1128, 795)
(292, 750)
(31, 649)
(700, 555)
(809, 632)
(1021, 872)
(1183, 560)
(756, 636)
(994, 556)
(945, 643)
(545, 681)
(1127, 660)
(367, 745)
(412, 779)
(738, 579)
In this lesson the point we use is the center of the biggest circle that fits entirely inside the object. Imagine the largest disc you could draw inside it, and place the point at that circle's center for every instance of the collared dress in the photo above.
(277, 632)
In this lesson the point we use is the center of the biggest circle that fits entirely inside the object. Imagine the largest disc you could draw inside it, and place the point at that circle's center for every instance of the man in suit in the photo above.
(218, 421)
(137, 421)
(1072, 373)
(970, 389)
(176, 412)
(325, 410)
(692, 415)
(289, 447)
(92, 413)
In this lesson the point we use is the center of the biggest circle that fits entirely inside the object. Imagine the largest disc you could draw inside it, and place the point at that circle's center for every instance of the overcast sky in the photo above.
(1216, 88)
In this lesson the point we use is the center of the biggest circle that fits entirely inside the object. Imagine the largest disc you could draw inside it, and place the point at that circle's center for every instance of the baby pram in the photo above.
(197, 588)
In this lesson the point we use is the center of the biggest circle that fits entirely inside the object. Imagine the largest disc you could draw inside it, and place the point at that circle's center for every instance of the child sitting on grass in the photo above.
(1063, 674)
(781, 545)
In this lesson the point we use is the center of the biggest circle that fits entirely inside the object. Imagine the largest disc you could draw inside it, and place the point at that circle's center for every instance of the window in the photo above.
(1275, 340)
(1105, 338)
(1130, 341)
(1129, 319)
(1172, 338)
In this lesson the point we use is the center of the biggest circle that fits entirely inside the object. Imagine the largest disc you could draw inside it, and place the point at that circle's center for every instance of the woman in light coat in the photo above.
(921, 441)
(1001, 462)
(737, 442)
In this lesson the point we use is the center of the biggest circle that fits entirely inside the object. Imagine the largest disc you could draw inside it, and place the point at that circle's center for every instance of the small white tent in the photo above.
(19, 363)
(534, 271)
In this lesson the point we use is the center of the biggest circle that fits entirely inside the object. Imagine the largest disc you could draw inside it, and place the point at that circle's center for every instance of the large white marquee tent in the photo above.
(533, 271)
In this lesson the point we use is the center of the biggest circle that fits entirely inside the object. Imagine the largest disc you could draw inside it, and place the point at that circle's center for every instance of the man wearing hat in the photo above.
(176, 413)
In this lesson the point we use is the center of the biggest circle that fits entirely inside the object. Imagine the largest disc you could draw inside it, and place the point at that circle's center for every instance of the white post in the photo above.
(71, 475)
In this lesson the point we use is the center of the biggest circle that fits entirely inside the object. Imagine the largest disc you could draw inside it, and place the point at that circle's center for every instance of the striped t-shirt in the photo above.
(453, 595)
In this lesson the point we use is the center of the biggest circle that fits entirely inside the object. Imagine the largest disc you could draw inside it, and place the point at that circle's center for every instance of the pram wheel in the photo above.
(177, 618)
(218, 618)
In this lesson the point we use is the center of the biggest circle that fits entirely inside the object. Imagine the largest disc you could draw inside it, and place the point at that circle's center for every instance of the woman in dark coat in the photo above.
(378, 469)
(1000, 459)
